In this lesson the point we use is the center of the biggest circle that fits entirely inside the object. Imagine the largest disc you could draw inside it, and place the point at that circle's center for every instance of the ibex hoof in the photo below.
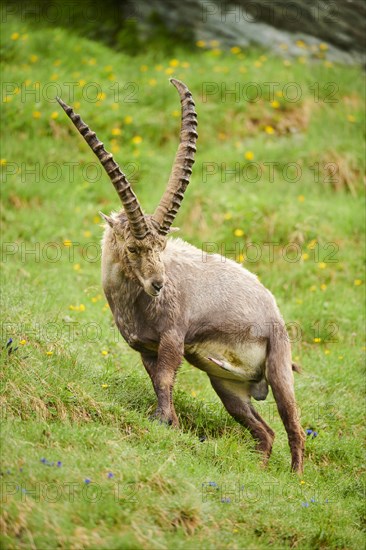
(168, 421)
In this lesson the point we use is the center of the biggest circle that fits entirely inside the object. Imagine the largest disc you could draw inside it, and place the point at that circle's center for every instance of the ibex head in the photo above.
(141, 238)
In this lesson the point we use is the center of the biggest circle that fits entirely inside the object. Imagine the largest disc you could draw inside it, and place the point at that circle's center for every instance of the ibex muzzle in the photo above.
(168, 304)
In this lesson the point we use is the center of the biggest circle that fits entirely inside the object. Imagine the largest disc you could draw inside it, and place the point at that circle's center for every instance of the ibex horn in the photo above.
(184, 159)
(128, 198)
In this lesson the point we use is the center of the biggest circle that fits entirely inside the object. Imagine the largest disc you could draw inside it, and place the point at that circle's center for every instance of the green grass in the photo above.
(65, 400)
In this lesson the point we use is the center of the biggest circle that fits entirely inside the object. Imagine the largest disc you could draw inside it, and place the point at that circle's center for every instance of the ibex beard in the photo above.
(169, 304)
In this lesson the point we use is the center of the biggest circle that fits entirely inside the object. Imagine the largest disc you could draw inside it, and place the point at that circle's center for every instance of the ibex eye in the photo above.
(131, 249)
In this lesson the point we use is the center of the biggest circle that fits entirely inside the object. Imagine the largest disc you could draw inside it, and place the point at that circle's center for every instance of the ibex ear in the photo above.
(173, 229)
(107, 219)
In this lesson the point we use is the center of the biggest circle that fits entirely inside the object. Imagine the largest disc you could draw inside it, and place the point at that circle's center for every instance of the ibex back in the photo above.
(170, 302)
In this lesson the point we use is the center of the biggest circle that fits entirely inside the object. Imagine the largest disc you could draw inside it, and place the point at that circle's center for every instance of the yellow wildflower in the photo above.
(351, 118)
(105, 385)
(323, 46)
(322, 265)
(301, 198)
(249, 155)
(3, 162)
(104, 352)
(136, 140)
(54, 115)
(323, 286)
(357, 282)
(200, 43)
(15, 36)
(144, 68)
(235, 50)
(169, 70)
(128, 119)
(87, 233)
(37, 114)
(269, 130)
(174, 63)
(67, 243)
(116, 131)
(33, 58)
(305, 256)
(238, 233)
(22, 342)
(77, 267)
(275, 104)
(49, 352)
(317, 340)
(153, 81)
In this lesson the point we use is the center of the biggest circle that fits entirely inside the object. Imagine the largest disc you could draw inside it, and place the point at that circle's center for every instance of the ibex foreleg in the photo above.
(162, 370)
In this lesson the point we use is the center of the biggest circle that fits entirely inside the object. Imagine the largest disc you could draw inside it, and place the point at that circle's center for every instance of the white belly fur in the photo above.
(244, 362)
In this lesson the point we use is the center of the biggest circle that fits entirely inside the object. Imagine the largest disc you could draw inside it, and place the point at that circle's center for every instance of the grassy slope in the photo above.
(65, 400)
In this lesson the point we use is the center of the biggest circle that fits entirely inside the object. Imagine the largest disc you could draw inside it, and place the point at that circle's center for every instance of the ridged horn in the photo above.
(184, 160)
(128, 198)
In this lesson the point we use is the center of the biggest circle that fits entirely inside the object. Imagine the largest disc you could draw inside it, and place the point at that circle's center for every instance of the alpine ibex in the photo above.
(170, 302)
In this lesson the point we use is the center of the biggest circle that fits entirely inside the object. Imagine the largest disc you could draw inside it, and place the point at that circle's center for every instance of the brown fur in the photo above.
(211, 312)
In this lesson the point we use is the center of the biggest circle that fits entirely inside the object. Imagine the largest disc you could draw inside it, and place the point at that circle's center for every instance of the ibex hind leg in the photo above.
(236, 399)
(280, 377)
